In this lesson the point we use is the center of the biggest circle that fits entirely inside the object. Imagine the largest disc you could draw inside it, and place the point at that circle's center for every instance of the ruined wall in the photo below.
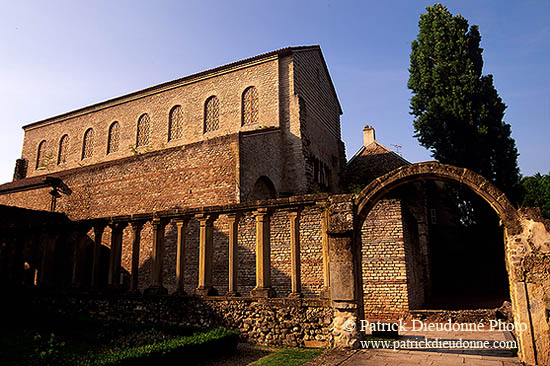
(273, 322)
(200, 174)
(528, 262)
(189, 93)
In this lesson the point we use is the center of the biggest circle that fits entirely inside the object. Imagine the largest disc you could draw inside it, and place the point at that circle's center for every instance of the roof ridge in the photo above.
(90, 108)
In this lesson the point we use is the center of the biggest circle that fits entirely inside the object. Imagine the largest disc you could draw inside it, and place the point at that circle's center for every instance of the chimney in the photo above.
(368, 135)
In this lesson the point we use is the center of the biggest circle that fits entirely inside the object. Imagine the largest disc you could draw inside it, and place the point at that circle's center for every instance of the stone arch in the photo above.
(263, 189)
(526, 241)
(433, 170)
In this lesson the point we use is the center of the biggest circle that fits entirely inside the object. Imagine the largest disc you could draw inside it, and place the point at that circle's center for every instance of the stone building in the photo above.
(263, 127)
(225, 188)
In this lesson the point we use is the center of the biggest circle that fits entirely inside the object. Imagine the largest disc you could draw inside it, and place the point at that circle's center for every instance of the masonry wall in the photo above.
(261, 155)
(274, 322)
(199, 174)
(190, 94)
(319, 119)
(384, 269)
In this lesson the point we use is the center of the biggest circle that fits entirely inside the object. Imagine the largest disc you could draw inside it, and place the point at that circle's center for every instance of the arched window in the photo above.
(41, 155)
(63, 150)
(211, 114)
(250, 106)
(143, 130)
(263, 190)
(114, 138)
(175, 123)
(88, 145)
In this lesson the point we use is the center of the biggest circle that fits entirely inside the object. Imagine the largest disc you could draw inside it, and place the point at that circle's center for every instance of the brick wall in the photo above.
(319, 119)
(260, 155)
(200, 174)
(384, 272)
(310, 253)
(157, 102)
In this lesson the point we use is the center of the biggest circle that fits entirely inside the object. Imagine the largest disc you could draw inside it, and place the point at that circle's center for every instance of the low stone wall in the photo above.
(274, 322)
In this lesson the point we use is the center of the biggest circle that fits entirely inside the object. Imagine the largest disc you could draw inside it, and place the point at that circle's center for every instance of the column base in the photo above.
(325, 293)
(295, 295)
(205, 291)
(232, 294)
(155, 290)
(135, 292)
(263, 292)
(179, 292)
(115, 289)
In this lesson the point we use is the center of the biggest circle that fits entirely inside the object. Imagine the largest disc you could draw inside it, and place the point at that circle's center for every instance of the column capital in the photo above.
(181, 220)
(159, 222)
(101, 223)
(295, 211)
(206, 219)
(136, 224)
(99, 229)
(117, 225)
(234, 216)
(262, 211)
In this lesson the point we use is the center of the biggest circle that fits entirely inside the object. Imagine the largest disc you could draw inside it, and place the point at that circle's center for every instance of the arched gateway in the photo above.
(437, 171)
(526, 242)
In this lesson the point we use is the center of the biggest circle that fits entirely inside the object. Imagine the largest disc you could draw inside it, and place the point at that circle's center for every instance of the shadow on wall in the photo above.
(311, 257)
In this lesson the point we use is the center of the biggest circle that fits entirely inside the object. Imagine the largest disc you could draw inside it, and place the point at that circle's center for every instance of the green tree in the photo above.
(458, 112)
(536, 192)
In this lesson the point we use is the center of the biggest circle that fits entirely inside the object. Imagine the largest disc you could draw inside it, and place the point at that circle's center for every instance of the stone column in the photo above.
(96, 260)
(156, 287)
(325, 291)
(78, 254)
(136, 227)
(344, 272)
(18, 262)
(205, 256)
(233, 219)
(296, 283)
(76, 258)
(46, 277)
(116, 253)
(263, 255)
(181, 224)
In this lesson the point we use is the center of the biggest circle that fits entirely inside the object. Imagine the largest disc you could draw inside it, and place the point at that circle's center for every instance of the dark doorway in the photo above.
(466, 250)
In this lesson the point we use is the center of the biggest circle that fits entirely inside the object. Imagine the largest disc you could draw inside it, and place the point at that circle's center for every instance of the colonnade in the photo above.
(206, 222)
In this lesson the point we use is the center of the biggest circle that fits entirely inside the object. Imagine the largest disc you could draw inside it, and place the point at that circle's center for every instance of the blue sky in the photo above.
(56, 56)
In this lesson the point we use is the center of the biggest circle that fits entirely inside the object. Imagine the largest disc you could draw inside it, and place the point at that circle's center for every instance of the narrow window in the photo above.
(114, 138)
(41, 155)
(211, 114)
(303, 112)
(88, 145)
(63, 150)
(250, 106)
(143, 130)
(175, 124)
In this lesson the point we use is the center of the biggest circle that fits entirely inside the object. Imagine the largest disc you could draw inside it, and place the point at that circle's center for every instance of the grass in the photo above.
(289, 357)
(161, 351)
(52, 340)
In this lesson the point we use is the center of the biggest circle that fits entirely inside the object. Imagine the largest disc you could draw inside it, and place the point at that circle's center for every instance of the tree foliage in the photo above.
(458, 112)
(536, 192)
